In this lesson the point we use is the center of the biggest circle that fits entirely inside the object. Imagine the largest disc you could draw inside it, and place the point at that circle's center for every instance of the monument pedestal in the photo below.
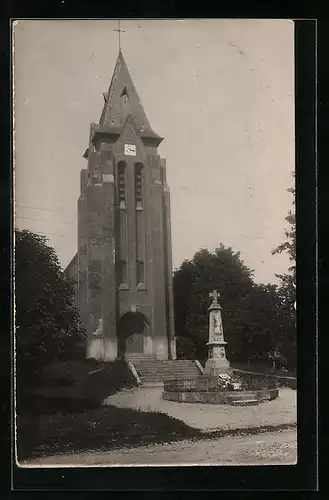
(215, 367)
(217, 362)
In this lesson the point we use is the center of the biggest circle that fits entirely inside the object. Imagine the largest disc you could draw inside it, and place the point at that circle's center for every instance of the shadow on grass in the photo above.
(104, 428)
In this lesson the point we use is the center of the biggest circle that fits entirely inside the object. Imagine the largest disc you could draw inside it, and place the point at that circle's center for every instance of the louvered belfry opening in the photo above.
(122, 184)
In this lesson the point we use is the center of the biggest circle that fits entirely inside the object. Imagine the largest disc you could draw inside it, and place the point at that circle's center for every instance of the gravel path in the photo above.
(211, 417)
(273, 448)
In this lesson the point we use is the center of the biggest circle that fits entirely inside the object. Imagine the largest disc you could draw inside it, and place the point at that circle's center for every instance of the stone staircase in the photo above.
(244, 402)
(246, 399)
(152, 371)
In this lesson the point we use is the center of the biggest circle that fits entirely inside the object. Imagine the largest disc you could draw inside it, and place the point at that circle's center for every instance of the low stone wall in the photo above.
(204, 384)
(281, 381)
(219, 397)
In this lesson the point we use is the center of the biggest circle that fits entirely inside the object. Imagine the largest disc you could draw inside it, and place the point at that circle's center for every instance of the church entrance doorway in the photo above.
(132, 329)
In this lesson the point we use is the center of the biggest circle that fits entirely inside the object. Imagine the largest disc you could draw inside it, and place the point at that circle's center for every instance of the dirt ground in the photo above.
(207, 417)
(273, 448)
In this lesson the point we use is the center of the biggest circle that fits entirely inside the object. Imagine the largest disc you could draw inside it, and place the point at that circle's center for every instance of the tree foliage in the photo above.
(287, 289)
(46, 323)
(288, 280)
(252, 315)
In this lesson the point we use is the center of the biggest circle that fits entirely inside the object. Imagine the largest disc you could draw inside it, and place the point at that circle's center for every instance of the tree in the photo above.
(262, 324)
(287, 289)
(47, 325)
(222, 270)
(288, 280)
(253, 318)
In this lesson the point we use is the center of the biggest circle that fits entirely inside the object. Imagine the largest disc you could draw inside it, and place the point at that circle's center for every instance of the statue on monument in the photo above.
(217, 328)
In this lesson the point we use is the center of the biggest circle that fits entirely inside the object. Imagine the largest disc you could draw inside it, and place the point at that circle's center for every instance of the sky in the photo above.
(220, 92)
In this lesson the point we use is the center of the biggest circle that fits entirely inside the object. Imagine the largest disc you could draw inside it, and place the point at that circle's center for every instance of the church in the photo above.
(123, 264)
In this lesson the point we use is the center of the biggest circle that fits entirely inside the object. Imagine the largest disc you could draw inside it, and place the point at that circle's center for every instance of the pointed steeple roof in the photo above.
(122, 100)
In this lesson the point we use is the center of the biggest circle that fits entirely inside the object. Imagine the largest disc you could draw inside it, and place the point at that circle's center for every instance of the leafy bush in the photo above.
(74, 386)
(257, 383)
(67, 373)
(40, 405)
(113, 377)
(265, 381)
(287, 382)
(47, 323)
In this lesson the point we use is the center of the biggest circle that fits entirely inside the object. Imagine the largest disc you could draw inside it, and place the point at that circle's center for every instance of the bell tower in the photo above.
(124, 263)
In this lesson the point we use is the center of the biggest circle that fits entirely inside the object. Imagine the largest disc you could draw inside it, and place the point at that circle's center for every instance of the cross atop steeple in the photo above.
(119, 31)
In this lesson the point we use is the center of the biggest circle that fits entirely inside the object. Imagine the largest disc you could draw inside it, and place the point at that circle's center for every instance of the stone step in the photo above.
(153, 370)
(151, 379)
(163, 365)
(145, 365)
(161, 377)
(155, 383)
(143, 359)
(166, 370)
(161, 361)
(241, 396)
(180, 366)
(245, 402)
(169, 375)
(140, 355)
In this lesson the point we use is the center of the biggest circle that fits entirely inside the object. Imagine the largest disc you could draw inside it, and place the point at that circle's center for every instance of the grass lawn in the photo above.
(103, 428)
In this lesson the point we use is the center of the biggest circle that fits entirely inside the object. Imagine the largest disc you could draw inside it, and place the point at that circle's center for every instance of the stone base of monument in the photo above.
(217, 362)
(206, 390)
(217, 366)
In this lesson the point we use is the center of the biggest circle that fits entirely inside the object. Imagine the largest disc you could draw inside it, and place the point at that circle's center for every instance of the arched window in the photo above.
(139, 186)
(122, 184)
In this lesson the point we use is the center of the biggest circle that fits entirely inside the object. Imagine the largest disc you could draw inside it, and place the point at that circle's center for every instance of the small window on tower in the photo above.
(122, 272)
(140, 272)
(124, 93)
(122, 184)
(139, 186)
(94, 274)
(124, 102)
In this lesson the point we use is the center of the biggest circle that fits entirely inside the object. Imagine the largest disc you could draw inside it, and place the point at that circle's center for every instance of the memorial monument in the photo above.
(219, 384)
(217, 362)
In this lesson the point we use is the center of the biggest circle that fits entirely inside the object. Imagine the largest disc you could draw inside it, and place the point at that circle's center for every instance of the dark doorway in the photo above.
(131, 330)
